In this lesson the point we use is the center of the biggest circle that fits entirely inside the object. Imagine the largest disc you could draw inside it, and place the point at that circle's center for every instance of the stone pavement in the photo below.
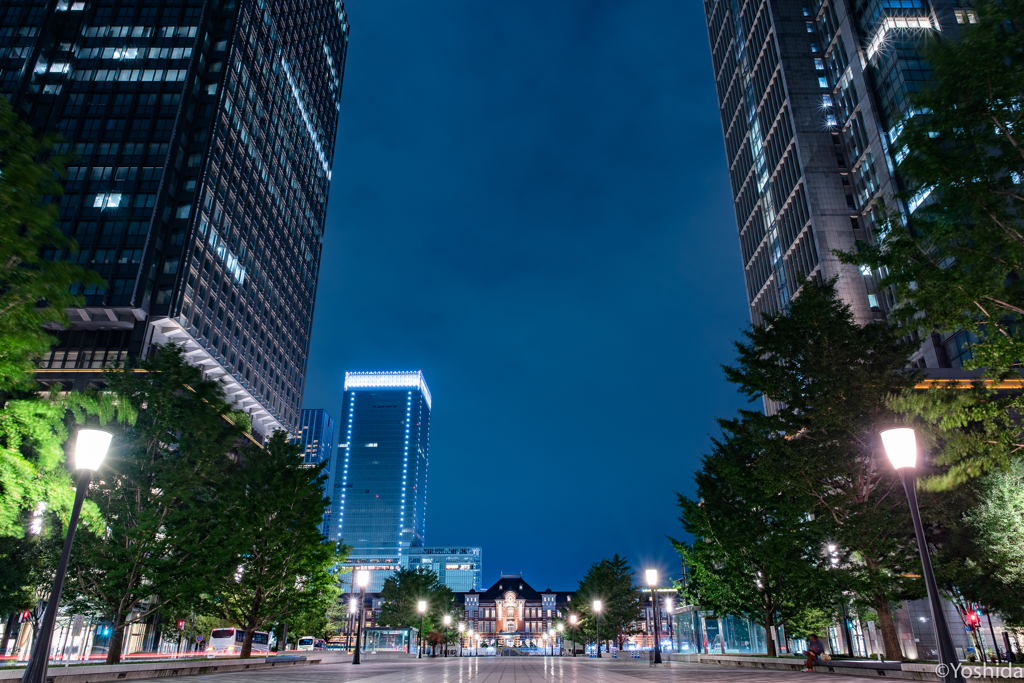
(511, 670)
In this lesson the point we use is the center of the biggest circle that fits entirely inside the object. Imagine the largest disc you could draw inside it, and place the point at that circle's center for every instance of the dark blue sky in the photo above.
(530, 203)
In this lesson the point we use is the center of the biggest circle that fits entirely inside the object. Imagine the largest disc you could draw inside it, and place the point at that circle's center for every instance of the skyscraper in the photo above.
(380, 477)
(204, 135)
(810, 92)
(316, 436)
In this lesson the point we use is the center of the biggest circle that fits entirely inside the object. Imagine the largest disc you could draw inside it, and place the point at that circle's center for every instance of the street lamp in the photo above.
(572, 620)
(551, 636)
(447, 623)
(422, 606)
(561, 627)
(362, 580)
(90, 449)
(901, 448)
(351, 621)
(462, 629)
(668, 613)
(472, 649)
(597, 638)
(652, 581)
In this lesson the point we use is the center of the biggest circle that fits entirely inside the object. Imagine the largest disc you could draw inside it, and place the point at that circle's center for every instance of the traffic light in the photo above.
(26, 616)
(181, 624)
(973, 619)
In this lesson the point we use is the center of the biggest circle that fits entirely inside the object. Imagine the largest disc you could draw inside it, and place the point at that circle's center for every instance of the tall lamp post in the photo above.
(351, 622)
(90, 449)
(422, 606)
(472, 648)
(561, 627)
(447, 623)
(597, 638)
(551, 637)
(362, 580)
(462, 628)
(572, 620)
(670, 634)
(901, 448)
(652, 581)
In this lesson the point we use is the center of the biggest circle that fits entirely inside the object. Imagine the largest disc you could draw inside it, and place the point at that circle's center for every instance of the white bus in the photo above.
(306, 643)
(229, 641)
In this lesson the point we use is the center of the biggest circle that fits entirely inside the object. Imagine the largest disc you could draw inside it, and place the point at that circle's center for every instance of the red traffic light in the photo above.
(181, 624)
(972, 618)
(26, 616)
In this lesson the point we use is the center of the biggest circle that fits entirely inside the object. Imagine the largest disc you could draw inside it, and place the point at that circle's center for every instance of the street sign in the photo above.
(199, 639)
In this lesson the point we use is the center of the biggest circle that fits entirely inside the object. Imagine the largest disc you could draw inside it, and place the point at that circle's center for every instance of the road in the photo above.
(511, 670)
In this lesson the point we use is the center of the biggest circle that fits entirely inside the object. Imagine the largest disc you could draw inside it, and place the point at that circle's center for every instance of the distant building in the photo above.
(459, 568)
(380, 477)
(316, 436)
(513, 612)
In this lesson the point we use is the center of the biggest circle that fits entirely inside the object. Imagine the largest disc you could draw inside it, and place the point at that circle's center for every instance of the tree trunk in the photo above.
(769, 631)
(115, 644)
(890, 638)
(246, 651)
(977, 645)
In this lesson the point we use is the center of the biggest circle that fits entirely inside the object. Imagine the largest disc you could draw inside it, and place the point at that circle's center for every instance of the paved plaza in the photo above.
(511, 670)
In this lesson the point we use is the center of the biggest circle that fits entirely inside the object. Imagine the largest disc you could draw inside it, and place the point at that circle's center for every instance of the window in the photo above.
(822, 82)
(819, 65)
(183, 211)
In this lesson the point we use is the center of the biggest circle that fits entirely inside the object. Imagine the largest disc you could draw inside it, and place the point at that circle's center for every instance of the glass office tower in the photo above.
(809, 94)
(380, 478)
(316, 436)
(204, 134)
(459, 568)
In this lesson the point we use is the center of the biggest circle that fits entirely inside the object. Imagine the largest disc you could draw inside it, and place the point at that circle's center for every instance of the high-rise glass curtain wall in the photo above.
(203, 135)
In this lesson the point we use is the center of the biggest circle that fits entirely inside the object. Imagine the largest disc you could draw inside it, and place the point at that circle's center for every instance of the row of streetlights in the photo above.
(92, 445)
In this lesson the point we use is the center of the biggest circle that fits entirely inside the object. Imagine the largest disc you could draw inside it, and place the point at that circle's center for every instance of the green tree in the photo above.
(158, 491)
(611, 581)
(828, 381)
(756, 551)
(35, 285)
(280, 564)
(954, 262)
(402, 592)
(979, 542)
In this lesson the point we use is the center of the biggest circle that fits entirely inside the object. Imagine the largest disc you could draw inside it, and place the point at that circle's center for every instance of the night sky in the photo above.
(530, 203)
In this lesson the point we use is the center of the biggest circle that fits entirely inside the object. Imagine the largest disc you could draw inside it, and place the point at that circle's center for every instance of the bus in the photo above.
(229, 641)
(306, 643)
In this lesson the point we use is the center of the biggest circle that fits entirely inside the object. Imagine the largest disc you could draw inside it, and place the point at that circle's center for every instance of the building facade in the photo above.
(810, 92)
(204, 136)
(380, 477)
(512, 613)
(316, 437)
(459, 568)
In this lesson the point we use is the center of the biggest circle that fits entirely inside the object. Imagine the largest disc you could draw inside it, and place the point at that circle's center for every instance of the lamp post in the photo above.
(597, 637)
(652, 581)
(901, 448)
(351, 621)
(561, 627)
(362, 580)
(670, 634)
(447, 623)
(572, 620)
(462, 629)
(472, 648)
(551, 637)
(90, 448)
(422, 606)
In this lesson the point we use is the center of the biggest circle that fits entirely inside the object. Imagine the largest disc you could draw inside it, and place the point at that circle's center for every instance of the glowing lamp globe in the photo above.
(561, 627)
(422, 606)
(572, 618)
(597, 605)
(462, 627)
(447, 619)
(90, 449)
(363, 578)
(900, 446)
(652, 577)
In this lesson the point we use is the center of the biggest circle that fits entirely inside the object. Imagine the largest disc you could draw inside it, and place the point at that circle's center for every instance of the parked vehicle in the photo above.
(229, 641)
